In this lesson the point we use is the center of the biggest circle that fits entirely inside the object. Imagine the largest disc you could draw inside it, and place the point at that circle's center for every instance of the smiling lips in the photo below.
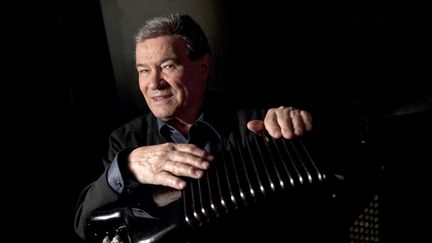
(161, 97)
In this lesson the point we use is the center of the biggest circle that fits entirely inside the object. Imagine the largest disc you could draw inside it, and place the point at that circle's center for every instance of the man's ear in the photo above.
(205, 65)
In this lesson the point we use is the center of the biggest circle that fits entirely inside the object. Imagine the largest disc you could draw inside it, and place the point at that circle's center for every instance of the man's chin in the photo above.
(163, 116)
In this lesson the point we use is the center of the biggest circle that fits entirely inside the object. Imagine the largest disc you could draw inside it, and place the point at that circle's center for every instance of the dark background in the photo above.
(349, 62)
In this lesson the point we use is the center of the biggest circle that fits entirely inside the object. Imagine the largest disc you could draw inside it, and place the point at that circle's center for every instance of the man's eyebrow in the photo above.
(140, 65)
(168, 59)
(160, 62)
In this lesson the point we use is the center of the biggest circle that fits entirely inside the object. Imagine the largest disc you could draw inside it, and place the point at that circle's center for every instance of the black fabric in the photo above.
(200, 134)
(140, 132)
(289, 219)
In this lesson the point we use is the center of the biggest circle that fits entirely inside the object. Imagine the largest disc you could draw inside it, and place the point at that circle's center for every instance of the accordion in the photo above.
(243, 173)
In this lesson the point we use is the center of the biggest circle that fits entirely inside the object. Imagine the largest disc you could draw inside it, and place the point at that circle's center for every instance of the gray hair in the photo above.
(181, 26)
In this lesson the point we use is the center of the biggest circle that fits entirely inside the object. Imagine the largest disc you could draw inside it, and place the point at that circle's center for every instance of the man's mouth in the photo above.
(160, 97)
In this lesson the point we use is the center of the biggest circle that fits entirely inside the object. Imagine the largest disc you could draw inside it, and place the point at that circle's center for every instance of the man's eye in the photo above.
(144, 71)
(168, 66)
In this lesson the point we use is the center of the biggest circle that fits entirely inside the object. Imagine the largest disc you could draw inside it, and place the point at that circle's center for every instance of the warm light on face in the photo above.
(173, 86)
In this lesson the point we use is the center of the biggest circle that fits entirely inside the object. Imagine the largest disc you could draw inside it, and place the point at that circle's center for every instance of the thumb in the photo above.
(256, 126)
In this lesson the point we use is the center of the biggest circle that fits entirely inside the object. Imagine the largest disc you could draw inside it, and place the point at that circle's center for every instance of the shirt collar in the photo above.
(201, 119)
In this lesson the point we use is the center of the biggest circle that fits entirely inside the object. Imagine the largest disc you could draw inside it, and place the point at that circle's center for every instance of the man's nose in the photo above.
(157, 81)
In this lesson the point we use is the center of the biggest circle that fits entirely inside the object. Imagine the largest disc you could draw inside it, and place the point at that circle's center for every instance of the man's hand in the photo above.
(284, 122)
(164, 164)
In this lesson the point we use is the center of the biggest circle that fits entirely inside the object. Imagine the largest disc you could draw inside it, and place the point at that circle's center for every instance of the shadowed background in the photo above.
(345, 60)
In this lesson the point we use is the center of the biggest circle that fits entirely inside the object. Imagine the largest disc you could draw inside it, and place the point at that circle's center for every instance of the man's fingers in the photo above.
(256, 126)
(165, 178)
(286, 122)
(193, 149)
(297, 122)
(182, 169)
(169, 176)
(190, 159)
(307, 120)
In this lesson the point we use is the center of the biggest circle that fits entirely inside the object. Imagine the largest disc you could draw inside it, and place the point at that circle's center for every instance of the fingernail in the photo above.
(205, 165)
(277, 134)
(182, 184)
(298, 132)
(199, 173)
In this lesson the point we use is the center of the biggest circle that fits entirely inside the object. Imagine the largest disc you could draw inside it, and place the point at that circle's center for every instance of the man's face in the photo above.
(173, 86)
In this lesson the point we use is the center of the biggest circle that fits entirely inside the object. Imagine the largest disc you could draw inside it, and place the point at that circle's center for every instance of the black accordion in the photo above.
(244, 174)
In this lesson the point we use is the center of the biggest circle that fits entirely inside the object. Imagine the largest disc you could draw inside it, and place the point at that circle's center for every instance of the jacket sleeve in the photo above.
(98, 194)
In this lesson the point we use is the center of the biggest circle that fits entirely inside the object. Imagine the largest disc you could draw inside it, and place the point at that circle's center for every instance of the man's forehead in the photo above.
(156, 49)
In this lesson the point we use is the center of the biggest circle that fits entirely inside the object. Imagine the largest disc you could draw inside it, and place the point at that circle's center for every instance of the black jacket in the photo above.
(304, 215)
(143, 131)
